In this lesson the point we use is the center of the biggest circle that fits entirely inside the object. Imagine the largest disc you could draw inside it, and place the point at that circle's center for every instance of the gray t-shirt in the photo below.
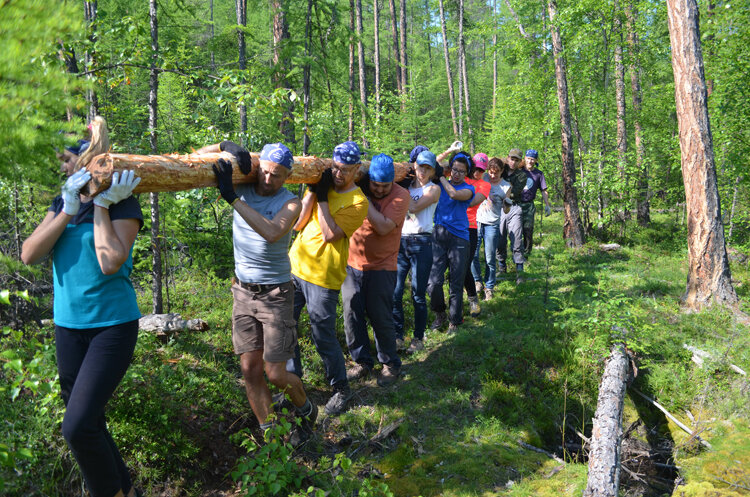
(255, 259)
(489, 211)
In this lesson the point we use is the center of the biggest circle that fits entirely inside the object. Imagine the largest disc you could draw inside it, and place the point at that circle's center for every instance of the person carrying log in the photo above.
(527, 199)
(264, 330)
(510, 219)
(367, 292)
(332, 210)
(95, 309)
(488, 220)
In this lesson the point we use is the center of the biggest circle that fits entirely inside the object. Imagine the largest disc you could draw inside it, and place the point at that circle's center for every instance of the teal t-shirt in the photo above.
(84, 296)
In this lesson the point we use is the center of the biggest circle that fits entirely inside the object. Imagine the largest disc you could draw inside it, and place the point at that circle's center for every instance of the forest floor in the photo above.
(503, 407)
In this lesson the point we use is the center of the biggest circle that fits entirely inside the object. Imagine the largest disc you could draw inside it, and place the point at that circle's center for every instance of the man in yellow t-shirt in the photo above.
(332, 211)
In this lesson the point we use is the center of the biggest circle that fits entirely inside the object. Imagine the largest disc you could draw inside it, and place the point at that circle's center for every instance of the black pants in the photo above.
(91, 363)
(469, 285)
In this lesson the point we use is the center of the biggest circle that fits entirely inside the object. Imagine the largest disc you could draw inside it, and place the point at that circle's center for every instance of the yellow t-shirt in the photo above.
(321, 263)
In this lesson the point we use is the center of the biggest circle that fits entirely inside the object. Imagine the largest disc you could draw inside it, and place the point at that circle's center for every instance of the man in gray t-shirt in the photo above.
(264, 331)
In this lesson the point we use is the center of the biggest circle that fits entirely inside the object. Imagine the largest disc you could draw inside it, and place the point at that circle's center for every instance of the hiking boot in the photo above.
(302, 432)
(474, 309)
(358, 371)
(400, 344)
(440, 319)
(388, 376)
(415, 345)
(337, 403)
(280, 402)
(487, 294)
(452, 328)
(478, 286)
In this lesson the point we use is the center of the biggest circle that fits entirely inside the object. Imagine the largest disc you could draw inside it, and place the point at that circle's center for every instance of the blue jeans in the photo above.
(452, 253)
(91, 363)
(476, 259)
(415, 256)
(368, 295)
(321, 308)
(491, 235)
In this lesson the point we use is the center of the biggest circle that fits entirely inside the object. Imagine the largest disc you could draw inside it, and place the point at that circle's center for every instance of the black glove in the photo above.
(406, 182)
(364, 184)
(325, 184)
(439, 173)
(224, 179)
(242, 155)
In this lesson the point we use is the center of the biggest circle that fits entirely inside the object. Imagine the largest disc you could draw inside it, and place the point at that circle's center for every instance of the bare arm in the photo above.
(44, 237)
(113, 239)
(545, 197)
(460, 195)
(270, 229)
(308, 202)
(430, 197)
(478, 199)
(381, 224)
(331, 231)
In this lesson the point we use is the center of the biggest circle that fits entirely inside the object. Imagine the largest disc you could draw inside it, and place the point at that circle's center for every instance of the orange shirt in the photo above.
(369, 251)
(480, 186)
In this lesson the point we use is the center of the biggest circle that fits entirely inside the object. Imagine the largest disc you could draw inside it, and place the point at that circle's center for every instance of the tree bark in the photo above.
(403, 53)
(642, 184)
(601, 199)
(448, 72)
(622, 133)
(211, 17)
(351, 69)
(709, 279)
(572, 228)
(241, 8)
(606, 434)
(396, 50)
(280, 33)
(89, 13)
(463, 74)
(376, 55)
(306, 78)
(494, 60)
(362, 76)
(734, 206)
(157, 301)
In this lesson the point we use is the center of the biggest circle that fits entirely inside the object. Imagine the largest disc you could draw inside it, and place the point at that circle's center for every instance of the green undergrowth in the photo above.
(467, 409)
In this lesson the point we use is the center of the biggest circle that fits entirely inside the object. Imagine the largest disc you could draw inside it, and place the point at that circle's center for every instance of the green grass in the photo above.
(526, 370)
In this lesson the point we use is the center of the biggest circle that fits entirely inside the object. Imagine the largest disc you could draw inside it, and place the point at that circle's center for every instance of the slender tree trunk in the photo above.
(351, 69)
(448, 72)
(642, 184)
(241, 8)
(427, 36)
(90, 12)
(362, 77)
(396, 50)
(280, 34)
(622, 134)
(403, 53)
(572, 229)
(734, 206)
(463, 74)
(157, 303)
(323, 51)
(494, 60)
(211, 16)
(376, 55)
(709, 277)
(306, 77)
(601, 199)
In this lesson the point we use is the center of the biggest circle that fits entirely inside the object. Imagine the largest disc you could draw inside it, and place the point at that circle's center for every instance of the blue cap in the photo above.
(347, 153)
(79, 147)
(427, 158)
(532, 153)
(278, 153)
(381, 169)
(415, 152)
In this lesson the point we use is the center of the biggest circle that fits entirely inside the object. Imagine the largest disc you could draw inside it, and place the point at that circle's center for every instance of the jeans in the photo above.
(91, 363)
(415, 256)
(368, 295)
(471, 289)
(476, 259)
(452, 253)
(321, 308)
(510, 225)
(491, 234)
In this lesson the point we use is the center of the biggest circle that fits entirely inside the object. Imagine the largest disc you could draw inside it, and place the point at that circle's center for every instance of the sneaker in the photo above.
(302, 432)
(478, 285)
(280, 402)
(337, 403)
(452, 328)
(487, 294)
(440, 319)
(388, 376)
(474, 309)
(400, 344)
(358, 371)
(415, 345)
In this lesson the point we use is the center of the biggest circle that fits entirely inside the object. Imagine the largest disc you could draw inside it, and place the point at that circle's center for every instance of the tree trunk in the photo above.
(572, 229)
(156, 271)
(324, 66)
(241, 7)
(709, 278)
(428, 38)
(734, 206)
(396, 50)
(622, 134)
(280, 34)
(211, 17)
(376, 56)
(606, 434)
(642, 184)
(306, 77)
(89, 13)
(448, 72)
(362, 77)
(351, 69)
(601, 200)
(402, 53)
(463, 74)
(494, 60)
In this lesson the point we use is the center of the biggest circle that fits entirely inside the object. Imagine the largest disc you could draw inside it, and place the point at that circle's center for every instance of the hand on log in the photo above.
(172, 173)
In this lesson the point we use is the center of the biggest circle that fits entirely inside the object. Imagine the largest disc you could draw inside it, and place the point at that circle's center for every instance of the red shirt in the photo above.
(480, 186)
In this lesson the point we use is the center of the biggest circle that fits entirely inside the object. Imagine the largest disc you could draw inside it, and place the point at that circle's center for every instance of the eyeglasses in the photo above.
(343, 169)
(462, 173)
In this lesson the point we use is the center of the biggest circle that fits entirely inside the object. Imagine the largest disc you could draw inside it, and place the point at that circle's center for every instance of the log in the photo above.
(606, 434)
(172, 173)
(166, 325)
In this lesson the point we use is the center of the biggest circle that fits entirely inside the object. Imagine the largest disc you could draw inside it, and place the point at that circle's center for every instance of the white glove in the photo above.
(547, 210)
(70, 191)
(121, 188)
(456, 146)
(529, 184)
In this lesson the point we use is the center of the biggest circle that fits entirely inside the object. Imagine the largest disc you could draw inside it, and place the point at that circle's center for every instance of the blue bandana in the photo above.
(79, 147)
(426, 158)
(416, 151)
(381, 169)
(466, 159)
(532, 153)
(347, 153)
(278, 153)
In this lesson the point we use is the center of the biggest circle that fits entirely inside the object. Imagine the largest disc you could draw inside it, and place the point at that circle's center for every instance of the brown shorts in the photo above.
(264, 320)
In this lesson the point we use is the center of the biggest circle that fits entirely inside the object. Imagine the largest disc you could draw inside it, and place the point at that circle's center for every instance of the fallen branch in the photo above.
(166, 325)
(386, 432)
(699, 357)
(541, 451)
(675, 420)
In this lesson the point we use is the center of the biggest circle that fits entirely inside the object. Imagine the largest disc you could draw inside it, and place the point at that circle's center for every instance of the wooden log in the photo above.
(606, 434)
(171, 173)
(168, 324)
